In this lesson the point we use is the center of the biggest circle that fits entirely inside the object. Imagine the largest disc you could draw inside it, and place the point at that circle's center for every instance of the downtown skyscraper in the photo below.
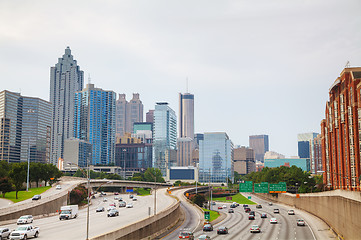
(94, 122)
(65, 79)
(260, 145)
(164, 137)
(185, 142)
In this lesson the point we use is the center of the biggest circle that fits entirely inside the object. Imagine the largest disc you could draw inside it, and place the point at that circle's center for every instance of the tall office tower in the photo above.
(25, 127)
(65, 79)
(260, 145)
(94, 121)
(306, 148)
(317, 153)
(341, 132)
(215, 158)
(127, 113)
(244, 162)
(164, 135)
(149, 116)
(185, 143)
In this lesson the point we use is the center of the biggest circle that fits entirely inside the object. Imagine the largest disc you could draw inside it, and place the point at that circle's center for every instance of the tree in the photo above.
(138, 176)
(5, 186)
(49, 171)
(36, 172)
(18, 175)
(5, 168)
(152, 173)
(198, 199)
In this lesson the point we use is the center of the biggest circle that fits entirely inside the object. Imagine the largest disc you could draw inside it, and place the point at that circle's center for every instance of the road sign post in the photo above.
(207, 215)
(246, 186)
(261, 187)
(278, 187)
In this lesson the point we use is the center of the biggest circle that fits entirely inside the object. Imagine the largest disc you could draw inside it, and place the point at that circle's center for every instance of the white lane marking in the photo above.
(314, 237)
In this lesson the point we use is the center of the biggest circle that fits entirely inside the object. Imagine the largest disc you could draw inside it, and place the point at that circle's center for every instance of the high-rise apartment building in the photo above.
(25, 127)
(244, 162)
(127, 113)
(215, 158)
(164, 135)
(341, 142)
(260, 145)
(185, 143)
(94, 121)
(306, 148)
(65, 79)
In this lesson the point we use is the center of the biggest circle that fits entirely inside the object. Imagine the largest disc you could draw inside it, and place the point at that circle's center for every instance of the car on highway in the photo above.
(120, 199)
(105, 199)
(224, 206)
(25, 219)
(113, 213)
(247, 209)
(273, 221)
(236, 203)
(116, 193)
(255, 229)
(129, 205)
(291, 212)
(58, 187)
(270, 204)
(220, 207)
(112, 204)
(204, 237)
(263, 215)
(25, 232)
(122, 204)
(251, 217)
(208, 228)
(36, 197)
(103, 193)
(116, 198)
(100, 209)
(230, 210)
(300, 222)
(186, 235)
(222, 230)
(251, 213)
(259, 206)
(245, 205)
(276, 210)
(233, 205)
(131, 196)
(4, 233)
(213, 203)
(110, 208)
(134, 199)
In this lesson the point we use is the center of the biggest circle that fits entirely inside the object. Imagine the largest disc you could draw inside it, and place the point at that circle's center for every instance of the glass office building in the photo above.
(215, 158)
(164, 135)
(94, 121)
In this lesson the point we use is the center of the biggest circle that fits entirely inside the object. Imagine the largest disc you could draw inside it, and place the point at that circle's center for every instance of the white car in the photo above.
(4, 233)
(129, 205)
(25, 219)
(291, 212)
(273, 221)
(111, 208)
(58, 187)
(105, 199)
(224, 206)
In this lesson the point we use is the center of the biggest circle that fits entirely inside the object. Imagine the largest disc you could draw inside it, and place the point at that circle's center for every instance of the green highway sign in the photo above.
(247, 186)
(261, 187)
(278, 187)
(249, 197)
(207, 216)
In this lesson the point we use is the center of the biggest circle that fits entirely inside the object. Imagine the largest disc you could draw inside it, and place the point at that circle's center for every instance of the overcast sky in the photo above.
(255, 67)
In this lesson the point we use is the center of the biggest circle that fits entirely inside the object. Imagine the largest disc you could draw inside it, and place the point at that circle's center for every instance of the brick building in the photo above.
(341, 132)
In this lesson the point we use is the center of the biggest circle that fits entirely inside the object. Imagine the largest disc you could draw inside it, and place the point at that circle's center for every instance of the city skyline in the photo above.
(274, 61)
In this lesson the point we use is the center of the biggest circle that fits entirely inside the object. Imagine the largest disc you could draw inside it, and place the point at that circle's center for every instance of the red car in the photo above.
(220, 207)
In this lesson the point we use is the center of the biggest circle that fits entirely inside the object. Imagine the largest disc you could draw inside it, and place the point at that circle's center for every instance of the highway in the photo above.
(53, 228)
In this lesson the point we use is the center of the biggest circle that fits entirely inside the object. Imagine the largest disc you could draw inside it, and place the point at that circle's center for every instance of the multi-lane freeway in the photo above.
(53, 228)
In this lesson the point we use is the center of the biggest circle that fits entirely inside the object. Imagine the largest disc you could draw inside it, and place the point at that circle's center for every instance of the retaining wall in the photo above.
(340, 213)
(146, 228)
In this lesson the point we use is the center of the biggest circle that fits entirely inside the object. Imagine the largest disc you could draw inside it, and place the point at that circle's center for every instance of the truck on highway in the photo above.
(25, 232)
(69, 211)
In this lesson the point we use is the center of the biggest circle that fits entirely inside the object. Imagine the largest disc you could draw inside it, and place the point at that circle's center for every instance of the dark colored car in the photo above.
(230, 210)
(36, 197)
(245, 205)
(259, 206)
(251, 217)
(263, 215)
(208, 228)
(113, 213)
(100, 209)
(222, 230)
(252, 213)
(247, 209)
(233, 206)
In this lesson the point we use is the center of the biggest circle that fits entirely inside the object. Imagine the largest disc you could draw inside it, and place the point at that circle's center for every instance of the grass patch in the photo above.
(213, 214)
(239, 198)
(143, 191)
(23, 195)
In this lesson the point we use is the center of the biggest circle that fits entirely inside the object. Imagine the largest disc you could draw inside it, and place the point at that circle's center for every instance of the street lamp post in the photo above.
(124, 150)
(155, 193)
(27, 175)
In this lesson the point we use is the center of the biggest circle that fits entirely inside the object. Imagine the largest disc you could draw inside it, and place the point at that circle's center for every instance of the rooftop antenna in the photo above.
(187, 84)
(89, 79)
(348, 64)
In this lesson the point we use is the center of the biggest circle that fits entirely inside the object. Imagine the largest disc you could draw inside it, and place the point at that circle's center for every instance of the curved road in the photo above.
(53, 228)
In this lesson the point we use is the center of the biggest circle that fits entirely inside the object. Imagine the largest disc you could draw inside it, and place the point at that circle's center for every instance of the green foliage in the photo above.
(18, 174)
(5, 168)
(239, 198)
(96, 175)
(293, 176)
(198, 199)
(5, 186)
(153, 173)
(138, 177)
(213, 214)
(143, 191)
(23, 195)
